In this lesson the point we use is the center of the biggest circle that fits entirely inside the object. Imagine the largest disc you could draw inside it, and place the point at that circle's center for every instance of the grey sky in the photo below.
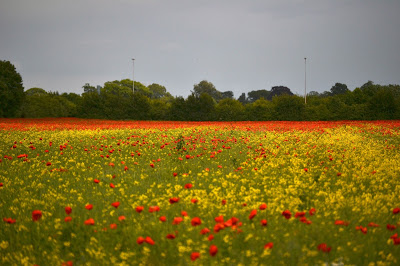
(237, 45)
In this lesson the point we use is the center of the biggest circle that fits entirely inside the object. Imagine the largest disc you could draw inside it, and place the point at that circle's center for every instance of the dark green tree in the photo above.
(279, 90)
(253, 96)
(229, 110)
(339, 88)
(289, 107)
(11, 90)
(206, 87)
(158, 91)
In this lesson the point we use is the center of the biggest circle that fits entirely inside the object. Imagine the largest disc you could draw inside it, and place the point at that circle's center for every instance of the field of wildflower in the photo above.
(97, 192)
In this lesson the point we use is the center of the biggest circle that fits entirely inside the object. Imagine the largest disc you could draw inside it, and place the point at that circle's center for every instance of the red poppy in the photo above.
(152, 165)
(188, 186)
(163, 219)
(324, 248)
(9, 220)
(362, 229)
(196, 221)
(36, 215)
(89, 207)
(140, 240)
(121, 218)
(67, 263)
(154, 209)
(112, 185)
(263, 206)
(340, 222)
(287, 214)
(305, 170)
(210, 237)
(48, 163)
(115, 204)
(174, 174)
(139, 209)
(183, 213)
(390, 227)
(223, 202)
(213, 250)
(1, 184)
(204, 231)
(396, 210)
(218, 227)
(177, 220)
(371, 224)
(96, 181)
(173, 200)
(264, 222)
(113, 226)
(89, 221)
(269, 245)
(253, 213)
(312, 211)
(194, 256)
(219, 219)
(148, 240)
(67, 219)
(126, 168)
(194, 201)
(171, 236)
(68, 210)
(22, 156)
(299, 214)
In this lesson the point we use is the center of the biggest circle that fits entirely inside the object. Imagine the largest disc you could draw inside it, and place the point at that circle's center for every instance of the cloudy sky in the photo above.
(238, 45)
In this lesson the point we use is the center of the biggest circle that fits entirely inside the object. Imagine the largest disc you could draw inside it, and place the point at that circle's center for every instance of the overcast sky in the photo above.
(238, 45)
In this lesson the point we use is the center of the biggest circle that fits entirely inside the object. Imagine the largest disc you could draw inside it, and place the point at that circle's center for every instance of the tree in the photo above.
(253, 96)
(242, 98)
(200, 108)
(178, 110)
(87, 88)
(227, 95)
(279, 90)
(206, 87)
(339, 88)
(260, 110)
(158, 91)
(11, 90)
(229, 110)
(289, 107)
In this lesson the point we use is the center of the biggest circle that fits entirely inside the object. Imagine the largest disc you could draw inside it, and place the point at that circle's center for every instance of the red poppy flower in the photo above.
(305, 170)
(324, 248)
(48, 163)
(68, 210)
(67, 219)
(223, 202)
(183, 213)
(263, 206)
(112, 185)
(113, 226)
(96, 181)
(213, 250)
(177, 220)
(89, 207)
(194, 201)
(312, 211)
(269, 245)
(126, 168)
(396, 210)
(36, 215)
(121, 218)
(154, 209)
(174, 174)
(115, 204)
(210, 237)
(194, 256)
(219, 219)
(287, 214)
(299, 214)
(390, 227)
(163, 219)
(362, 229)
(173, 200)
(1, 184)
(22, 156)
(171, 236)
(253, 213)
(139, 209)
(371, 224)
(149, 241)
(204, 231)
(188, 186)
(196, 221)
(218, 227)
(340, 222)
(140, 240)
(152, 165)
(264, 222)
(9, 220)
(89, 221)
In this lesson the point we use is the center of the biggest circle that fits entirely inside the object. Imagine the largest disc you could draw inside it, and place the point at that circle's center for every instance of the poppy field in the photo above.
(98, 192)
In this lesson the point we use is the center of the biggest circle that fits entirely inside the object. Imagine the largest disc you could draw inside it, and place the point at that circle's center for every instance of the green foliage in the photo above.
(260, 110)
(289, 107)
(11, 90)
(229, 110)
(206, 87)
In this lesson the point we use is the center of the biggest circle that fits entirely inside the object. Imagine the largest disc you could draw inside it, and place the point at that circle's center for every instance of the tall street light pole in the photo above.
(133, 75)
(305, 80)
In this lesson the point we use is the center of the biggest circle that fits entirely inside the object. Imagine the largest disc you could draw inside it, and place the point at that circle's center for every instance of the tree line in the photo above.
(116, 100)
